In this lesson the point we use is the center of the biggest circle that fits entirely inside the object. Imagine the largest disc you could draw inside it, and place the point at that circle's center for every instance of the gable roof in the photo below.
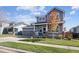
(56, 9)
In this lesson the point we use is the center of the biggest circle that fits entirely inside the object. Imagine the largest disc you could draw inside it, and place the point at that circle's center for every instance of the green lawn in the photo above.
(55, 41)
(37, 48)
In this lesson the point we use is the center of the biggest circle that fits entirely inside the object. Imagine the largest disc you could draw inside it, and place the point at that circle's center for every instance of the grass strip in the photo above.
(36, 48)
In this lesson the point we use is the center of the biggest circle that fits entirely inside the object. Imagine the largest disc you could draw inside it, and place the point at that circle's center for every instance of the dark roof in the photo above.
(40, 22)
(74, 27)
(57, 9)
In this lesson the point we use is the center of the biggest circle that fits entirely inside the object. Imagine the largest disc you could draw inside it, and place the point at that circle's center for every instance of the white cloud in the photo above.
(25, 8)
(37, 13)
(75, 7)
(72, 12)
(41, 8)
(34, 10)
(25, 18)
(31, 8)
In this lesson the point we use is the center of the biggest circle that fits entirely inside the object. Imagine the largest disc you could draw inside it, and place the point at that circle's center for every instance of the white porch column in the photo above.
(34, 27)
(46, 27)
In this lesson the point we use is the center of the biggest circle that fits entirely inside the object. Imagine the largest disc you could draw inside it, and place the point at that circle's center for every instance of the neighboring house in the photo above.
(3, 25)
(43, 26)
(75, 29)
(18, 27)
(11, 28)
(28, 31)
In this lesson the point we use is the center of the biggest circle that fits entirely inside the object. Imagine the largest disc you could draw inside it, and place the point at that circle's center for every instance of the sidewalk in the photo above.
(49, 45)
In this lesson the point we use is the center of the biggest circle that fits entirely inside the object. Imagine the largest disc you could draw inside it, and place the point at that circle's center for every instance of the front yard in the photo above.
(37, 48)
(55, 41)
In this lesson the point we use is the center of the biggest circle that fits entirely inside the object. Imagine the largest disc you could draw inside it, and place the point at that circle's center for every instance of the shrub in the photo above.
(33, 40)
(68, 35)
(59, 37)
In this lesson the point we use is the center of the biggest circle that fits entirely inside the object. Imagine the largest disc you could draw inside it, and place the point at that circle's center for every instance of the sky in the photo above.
(27, 14)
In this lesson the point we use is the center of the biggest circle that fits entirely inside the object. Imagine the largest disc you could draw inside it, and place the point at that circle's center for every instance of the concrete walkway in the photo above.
(49, 45)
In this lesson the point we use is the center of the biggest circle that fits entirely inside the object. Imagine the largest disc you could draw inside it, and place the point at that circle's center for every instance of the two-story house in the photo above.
(50, 25)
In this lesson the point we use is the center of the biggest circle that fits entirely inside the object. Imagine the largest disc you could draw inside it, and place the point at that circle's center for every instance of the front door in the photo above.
(40, 31)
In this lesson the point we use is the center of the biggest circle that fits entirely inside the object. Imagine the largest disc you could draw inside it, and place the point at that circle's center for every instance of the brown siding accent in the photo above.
(53, 21)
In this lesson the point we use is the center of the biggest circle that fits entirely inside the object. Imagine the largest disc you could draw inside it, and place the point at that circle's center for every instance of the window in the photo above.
(44, 29)
(16, 29)
(40, 30)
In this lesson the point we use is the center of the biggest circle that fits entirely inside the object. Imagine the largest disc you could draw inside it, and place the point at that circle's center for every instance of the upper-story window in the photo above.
(41, 19)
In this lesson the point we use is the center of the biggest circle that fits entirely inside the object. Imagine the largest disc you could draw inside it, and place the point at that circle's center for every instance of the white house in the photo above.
(3, 25)
(28, 31)
(19, 27)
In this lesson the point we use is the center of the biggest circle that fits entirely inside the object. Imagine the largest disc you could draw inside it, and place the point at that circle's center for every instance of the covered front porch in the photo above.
(40, 29)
